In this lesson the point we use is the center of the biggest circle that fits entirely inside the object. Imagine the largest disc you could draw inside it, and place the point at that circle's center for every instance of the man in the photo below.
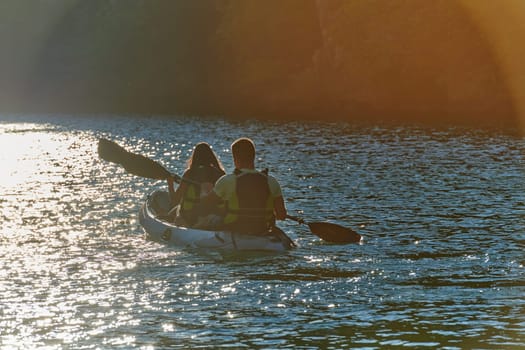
(252, 199)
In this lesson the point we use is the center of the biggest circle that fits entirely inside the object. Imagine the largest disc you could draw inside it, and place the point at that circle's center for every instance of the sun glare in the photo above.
(21, 155)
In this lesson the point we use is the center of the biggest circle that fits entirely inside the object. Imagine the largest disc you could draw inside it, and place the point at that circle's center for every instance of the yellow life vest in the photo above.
(250, 207)
(196, 179)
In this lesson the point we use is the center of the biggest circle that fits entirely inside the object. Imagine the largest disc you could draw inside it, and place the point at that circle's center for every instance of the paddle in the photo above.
(329, 232)
(135, 164)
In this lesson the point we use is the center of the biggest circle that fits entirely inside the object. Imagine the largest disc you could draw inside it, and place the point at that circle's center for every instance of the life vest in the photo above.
(250, 208)
(197, 179)
(190, 198)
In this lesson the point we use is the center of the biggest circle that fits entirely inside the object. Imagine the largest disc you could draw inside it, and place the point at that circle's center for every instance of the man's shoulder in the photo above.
(227, 178)
(272, 178)
(274, 185)
(224, 186)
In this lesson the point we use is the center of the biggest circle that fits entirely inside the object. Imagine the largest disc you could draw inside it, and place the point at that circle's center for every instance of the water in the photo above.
(442, 212)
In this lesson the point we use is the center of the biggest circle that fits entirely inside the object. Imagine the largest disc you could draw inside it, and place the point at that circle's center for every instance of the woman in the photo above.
(202, 171)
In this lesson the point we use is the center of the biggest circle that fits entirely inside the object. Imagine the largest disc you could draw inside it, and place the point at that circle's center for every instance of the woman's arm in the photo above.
(176, 195)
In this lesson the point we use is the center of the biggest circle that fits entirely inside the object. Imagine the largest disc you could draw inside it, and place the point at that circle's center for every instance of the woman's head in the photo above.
(203, 155)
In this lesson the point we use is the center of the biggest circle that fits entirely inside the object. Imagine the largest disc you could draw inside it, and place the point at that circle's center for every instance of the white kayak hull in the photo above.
(167, 233)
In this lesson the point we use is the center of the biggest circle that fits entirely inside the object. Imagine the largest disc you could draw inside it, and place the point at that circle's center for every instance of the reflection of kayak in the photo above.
(168, 233)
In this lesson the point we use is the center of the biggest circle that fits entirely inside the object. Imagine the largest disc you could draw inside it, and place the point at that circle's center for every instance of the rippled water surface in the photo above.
(442, 213)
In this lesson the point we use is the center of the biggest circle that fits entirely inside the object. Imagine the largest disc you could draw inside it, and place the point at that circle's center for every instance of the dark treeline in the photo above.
(406, 60)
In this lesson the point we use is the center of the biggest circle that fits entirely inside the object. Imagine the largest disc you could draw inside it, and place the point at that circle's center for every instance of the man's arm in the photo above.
(279, 208)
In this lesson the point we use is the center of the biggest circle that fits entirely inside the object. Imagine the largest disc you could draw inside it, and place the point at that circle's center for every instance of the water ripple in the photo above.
(442, 212)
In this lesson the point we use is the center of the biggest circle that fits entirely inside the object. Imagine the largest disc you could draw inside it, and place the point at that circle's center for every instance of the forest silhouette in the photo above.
(405, 60)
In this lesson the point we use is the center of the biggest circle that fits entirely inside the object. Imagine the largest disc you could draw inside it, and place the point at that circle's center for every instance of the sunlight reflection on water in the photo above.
(442, 213)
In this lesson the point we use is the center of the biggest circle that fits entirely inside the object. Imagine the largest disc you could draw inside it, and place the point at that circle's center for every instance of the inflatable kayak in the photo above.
(159, 230)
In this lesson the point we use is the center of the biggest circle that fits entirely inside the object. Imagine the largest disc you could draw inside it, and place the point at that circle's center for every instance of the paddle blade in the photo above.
(135, 164)
(334, 233)
(111, 152)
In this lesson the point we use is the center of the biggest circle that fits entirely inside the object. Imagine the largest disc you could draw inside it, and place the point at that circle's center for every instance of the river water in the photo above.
(441, 265)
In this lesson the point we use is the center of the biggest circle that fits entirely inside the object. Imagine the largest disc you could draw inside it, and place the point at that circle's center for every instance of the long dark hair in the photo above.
(203, 155)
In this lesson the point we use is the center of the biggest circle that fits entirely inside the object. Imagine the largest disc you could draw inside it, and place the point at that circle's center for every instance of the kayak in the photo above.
(158, 230)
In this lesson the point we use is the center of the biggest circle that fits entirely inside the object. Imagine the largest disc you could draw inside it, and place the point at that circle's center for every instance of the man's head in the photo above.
(243, 151)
